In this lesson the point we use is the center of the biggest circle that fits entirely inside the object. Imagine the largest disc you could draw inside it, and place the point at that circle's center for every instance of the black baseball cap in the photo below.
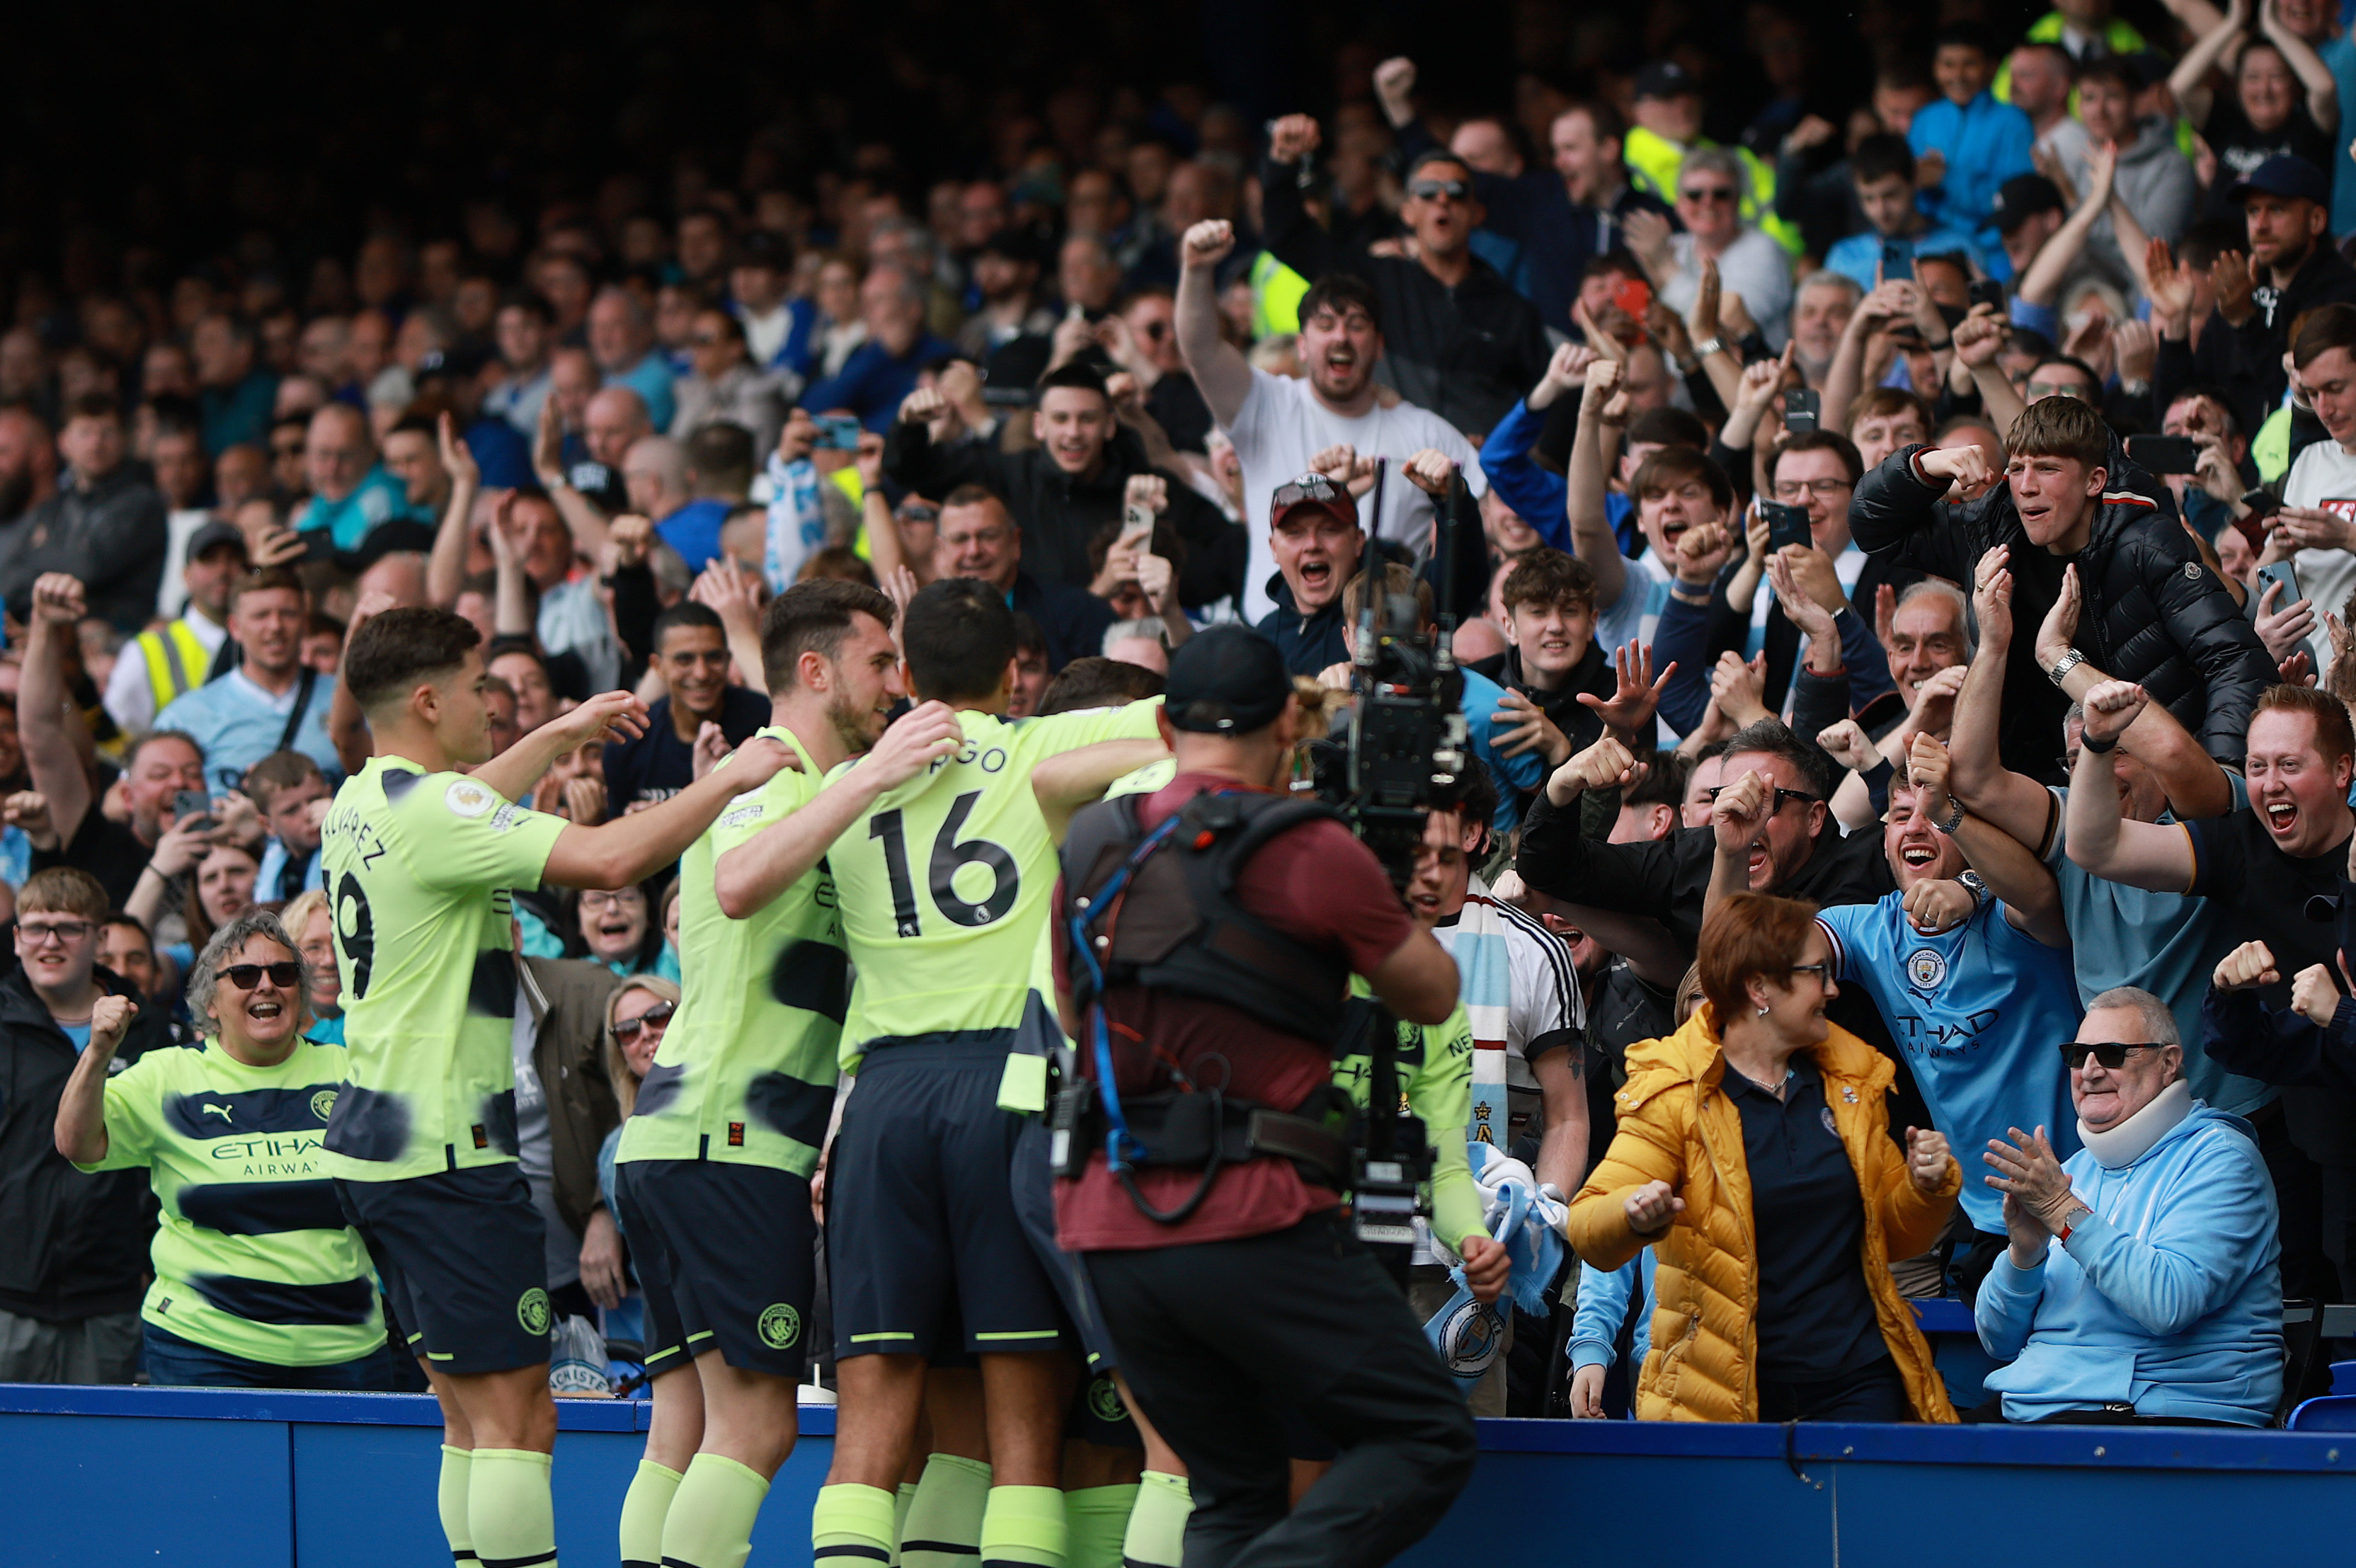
(1666, 79)
(2021, 197)
(2286, 175)
(213, 535)
(1228, 680)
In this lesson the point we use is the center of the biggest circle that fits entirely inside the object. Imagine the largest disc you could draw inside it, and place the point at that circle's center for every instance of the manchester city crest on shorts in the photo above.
(1925, 968)
(1104, 1400)
(779, 1325)
(532, 1311)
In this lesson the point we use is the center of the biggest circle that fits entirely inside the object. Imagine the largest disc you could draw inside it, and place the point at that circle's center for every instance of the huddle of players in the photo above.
(918, 854)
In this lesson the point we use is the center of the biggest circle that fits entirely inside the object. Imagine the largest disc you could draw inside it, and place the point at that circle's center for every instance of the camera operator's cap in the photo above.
(1313, 492)
(212, 535)
(1228, 680)
(2021, 197)
(2286, 175)
(1666, 79)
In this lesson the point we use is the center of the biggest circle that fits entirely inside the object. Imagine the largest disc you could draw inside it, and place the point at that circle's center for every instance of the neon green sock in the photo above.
(643, 1507)
(1023, 1528)
(711, 1521)
(1157, 1525)
(907, 1494)
(450, 1501)
(1096, 1521)
(943, 1527)
(852, 1525)
(508, 1508)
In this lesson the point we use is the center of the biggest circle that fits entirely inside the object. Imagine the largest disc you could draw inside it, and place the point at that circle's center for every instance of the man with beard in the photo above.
(1462, 342)
(691, 650)
(1064, 490)
(1279, 425)
(713, 1172)
(271, 701)
(179, 656)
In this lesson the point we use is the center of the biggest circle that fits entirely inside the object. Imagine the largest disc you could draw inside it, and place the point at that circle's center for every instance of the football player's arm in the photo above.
(747, 878)
(633, 848)
(1070, 780)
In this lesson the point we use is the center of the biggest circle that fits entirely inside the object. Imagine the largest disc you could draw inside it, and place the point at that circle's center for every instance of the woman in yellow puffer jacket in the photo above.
(1753, 1155)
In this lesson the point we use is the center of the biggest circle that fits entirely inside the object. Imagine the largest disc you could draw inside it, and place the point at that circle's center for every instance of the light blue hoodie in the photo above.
(1603, 1306)
(2168, 1298)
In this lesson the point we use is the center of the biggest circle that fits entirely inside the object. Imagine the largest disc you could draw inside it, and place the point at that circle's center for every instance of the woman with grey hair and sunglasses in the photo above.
(259, 1281)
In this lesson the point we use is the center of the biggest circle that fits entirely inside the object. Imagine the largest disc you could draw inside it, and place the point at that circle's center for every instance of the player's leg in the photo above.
(751, 1420)
(1156, 1536)
(1023, 1398)
(676, 1427)
(942, 1527)
(879, 1400)
(1099, 1492)
(510, 1419)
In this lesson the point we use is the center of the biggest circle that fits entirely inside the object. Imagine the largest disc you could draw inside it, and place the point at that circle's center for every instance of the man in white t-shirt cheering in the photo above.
(2319, 514)
(1278, 423)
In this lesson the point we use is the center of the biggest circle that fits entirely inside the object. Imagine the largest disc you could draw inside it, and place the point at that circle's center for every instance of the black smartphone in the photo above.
(1897, 262)
(1803, 409)
(2165, 454)
(1786, 525)
(2279, 572)
(838, 433)
(195, 803)
(1987, 291)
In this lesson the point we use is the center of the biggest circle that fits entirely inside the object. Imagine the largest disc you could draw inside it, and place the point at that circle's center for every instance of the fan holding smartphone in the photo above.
(2318, 509)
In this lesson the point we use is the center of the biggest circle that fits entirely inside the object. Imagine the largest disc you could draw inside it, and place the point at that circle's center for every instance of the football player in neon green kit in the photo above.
(714, 1168)
(946, 885)
(419, 858)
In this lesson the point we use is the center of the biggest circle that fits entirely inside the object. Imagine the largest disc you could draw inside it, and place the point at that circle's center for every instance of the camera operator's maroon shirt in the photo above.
(1322, 887)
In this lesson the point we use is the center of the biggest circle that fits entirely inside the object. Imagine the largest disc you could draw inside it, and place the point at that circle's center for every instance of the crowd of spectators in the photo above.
(1904, 552)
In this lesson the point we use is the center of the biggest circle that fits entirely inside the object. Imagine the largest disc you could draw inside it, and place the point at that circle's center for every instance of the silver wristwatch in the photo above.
(2069, 660)
(1708, 345)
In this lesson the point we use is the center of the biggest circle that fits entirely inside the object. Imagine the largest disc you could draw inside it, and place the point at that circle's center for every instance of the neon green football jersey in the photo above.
(747, 1074)
(253, 1257)
(946, 885)
(418, 865)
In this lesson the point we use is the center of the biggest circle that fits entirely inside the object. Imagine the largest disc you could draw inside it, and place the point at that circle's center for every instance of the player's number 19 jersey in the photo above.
(418, 866)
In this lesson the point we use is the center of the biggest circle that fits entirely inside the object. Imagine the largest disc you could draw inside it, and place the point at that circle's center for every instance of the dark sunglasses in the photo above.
(246, 976)
(1430, 189)
(2075, 1052)
(655, 1017)
(1783, 797)
(1701, 193)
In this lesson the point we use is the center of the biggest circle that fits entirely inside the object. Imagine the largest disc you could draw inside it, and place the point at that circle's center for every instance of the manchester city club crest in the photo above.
(1925, 968)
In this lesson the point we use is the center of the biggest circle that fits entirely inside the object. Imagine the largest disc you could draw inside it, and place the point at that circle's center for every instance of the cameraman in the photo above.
(1259, 1305)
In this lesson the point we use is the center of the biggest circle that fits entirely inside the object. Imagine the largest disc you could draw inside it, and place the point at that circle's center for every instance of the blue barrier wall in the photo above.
(225, 1478)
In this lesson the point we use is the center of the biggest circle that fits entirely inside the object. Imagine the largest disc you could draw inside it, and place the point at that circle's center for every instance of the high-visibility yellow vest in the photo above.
(2119, 38)
(177, 661)
(1654, 161)
(1277, 290)
(2271, 450)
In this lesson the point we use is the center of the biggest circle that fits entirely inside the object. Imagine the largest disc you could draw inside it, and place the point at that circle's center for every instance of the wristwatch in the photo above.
(2078, 1211)
(2069, 660)
(1978, 888)
(1708, 345)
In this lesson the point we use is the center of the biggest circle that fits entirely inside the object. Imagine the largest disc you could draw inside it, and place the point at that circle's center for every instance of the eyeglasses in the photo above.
(1822, 972)
(246, 976)
(655, 1017)
(2075, 1052)
(1433, 190)
(1794, 489)
(1698, 194)
(1783, 797)
(2059, 389)
(984, 536)
(610, 900)
(60, 930)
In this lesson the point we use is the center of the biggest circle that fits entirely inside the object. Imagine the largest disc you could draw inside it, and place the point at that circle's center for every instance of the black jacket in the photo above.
(1308, 642)
(1059, 514)
(72, 1246)
(2153, 613)
(1466, 353)
(2246, 362)
(112, 536)
(1578, 722)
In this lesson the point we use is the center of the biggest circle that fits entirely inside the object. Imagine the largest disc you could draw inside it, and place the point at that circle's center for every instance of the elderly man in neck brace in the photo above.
(2143, 1281)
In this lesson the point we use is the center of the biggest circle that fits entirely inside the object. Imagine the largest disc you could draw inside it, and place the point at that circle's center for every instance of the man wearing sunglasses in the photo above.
(1460, 342)
(2141, 1283)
